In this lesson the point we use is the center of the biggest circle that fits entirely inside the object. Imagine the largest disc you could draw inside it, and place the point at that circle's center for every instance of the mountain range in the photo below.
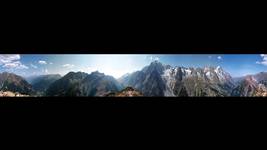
(156, 79)
(83, 84)
(163, 80)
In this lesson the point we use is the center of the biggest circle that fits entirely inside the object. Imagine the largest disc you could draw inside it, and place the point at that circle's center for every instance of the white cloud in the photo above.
(42, 62)
(219, 57)
(51, 63)
(151, 58)
(264, 60)
(16, 65)
(11, 61)
(68, 66)
(264, 57)
(33, 66)
(91, 69)
(7, 58)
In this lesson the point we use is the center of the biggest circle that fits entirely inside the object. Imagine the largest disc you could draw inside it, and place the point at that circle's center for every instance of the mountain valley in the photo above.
(156, 79)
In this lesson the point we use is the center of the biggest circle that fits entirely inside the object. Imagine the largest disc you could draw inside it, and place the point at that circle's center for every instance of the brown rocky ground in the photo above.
(11, 94)
(127, 92)
(261, 91)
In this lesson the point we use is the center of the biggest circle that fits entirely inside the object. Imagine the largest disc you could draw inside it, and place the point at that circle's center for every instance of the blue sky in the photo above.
(117, 65)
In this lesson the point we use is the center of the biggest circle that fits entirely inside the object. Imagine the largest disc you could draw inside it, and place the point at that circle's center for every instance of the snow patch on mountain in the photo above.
(208, 75)
(169, 77)
(188, 72)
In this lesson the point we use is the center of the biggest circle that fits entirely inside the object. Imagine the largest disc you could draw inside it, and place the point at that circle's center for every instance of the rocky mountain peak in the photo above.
(154, 66)
(156, 63)
(75, 74)
(6, 74)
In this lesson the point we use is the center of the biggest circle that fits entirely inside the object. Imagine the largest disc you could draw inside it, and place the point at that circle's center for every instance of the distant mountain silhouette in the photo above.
(42, 82)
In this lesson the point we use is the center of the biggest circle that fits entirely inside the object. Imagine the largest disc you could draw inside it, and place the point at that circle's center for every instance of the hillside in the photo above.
(14, 83)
